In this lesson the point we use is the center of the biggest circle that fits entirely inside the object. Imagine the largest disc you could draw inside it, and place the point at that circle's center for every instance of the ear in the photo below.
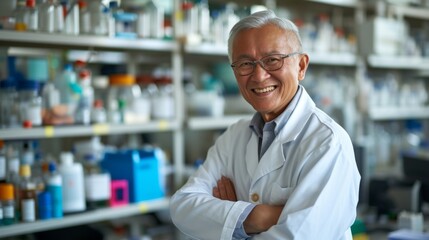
(303, 65)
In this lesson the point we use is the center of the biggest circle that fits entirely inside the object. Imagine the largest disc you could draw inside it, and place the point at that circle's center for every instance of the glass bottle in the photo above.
(97, 183)
(98, 114)
(12, 175)
(2, 162)
(30, 103)
(98, 17)
(84, 17)
(27, 194)
(46, 16)
(121, 97)
(51, 17)
(8, 105)
(8, 205)
(19, 15)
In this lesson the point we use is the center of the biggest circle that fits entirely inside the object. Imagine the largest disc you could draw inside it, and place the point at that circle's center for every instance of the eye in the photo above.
(245, 64)
(271, 60)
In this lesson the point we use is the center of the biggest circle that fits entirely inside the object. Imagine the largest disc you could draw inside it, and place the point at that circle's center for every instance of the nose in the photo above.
(259, 73)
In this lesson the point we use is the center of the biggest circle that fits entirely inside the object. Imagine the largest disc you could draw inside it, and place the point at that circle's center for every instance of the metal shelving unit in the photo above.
(85, 217)
(398, 62)
(90, 130)
(128, 51)
(398, 113)
(213, 123)
(14, 38)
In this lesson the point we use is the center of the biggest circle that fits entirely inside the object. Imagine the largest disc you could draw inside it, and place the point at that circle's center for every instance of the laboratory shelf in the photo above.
(90, 130)
(333, 58)
(398, 62)
(15, 38)
(86, 217)
(206, 49)
(409, 11)
(213, 123)
(398, 113)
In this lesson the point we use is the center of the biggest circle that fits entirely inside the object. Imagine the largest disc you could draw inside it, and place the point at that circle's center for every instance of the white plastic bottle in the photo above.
(73, 184)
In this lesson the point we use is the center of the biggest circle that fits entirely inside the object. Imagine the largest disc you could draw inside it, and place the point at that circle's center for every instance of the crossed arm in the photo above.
(260, 219)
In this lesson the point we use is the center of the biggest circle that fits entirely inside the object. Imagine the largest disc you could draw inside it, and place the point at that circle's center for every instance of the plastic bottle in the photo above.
(99, 17)
(55, 188)
(84, 17)
(27, 194)
(114, 9)
(156, 14)
(44, 205)
(86, 100)
(73, 184)
(8, 205)
(69, 89)
(72, 19)
(51, 18)
(203, 19)
(31, 15)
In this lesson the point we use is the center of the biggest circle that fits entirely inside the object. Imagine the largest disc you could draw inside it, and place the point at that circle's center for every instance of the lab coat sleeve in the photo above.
(193, 208)
(323, 203)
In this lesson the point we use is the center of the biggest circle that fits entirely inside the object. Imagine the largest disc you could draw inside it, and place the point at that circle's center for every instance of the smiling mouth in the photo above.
(264, 90)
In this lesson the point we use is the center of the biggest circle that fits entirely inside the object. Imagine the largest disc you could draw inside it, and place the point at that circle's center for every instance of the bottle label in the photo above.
(8, 212)
(28, 207)
(97, 187)
(73, 192)
(2, 167)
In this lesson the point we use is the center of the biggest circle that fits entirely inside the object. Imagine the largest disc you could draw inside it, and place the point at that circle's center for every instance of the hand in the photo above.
(225, 189)
(261, 218)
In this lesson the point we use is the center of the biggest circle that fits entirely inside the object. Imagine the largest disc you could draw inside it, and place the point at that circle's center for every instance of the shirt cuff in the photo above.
(239, 232)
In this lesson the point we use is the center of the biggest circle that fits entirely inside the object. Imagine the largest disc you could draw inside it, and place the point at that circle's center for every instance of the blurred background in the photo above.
(107, 106)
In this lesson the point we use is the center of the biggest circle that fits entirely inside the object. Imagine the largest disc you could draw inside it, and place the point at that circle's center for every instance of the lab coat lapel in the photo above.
(272, 159)
(252, 154)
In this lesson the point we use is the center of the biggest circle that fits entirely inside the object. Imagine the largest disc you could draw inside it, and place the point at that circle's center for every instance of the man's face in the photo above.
(269, 92)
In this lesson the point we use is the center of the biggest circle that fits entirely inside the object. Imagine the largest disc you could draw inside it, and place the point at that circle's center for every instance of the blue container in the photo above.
(141, 168)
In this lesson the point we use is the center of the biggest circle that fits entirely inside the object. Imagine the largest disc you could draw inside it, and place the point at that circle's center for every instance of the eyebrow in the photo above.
(245, 56)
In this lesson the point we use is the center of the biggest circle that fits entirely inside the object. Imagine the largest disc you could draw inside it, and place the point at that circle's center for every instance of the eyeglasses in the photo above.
(272, 62)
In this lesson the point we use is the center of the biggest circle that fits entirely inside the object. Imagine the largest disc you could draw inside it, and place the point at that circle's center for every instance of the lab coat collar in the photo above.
(273, 158)
(298, 119)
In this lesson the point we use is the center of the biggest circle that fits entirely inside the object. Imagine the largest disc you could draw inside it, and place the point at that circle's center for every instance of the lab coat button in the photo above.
(255, 197)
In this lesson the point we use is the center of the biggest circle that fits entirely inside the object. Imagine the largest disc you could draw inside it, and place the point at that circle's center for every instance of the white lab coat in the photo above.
(317, 180)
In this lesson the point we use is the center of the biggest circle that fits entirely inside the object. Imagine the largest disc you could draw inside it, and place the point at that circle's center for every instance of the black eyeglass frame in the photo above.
(254, 62)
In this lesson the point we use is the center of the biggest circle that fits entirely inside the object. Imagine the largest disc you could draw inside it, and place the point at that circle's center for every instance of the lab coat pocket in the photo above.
(280, 195)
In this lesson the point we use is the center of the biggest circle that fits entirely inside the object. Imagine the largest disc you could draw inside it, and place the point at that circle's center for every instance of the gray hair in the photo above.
(260, 19)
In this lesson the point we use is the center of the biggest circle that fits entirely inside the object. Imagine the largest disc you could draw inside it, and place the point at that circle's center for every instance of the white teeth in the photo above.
(264, 90)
